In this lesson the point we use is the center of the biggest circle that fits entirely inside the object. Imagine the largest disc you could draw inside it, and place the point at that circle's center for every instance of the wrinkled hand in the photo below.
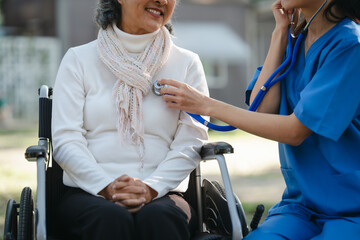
(184, 97)
(130, 193)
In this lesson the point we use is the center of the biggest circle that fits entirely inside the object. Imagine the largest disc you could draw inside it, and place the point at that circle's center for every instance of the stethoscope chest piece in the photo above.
(157, 87)
(156, 90)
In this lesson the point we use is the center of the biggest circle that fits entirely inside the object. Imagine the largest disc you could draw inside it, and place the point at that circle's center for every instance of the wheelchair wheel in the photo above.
(10, 226)
(239, 208)
(220, 188)
(217, 213)
(26, 214)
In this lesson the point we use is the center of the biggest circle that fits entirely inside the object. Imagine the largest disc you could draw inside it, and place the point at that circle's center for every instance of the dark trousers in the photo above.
(84, 216)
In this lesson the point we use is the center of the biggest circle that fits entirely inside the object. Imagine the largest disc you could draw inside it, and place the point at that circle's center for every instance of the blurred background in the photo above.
(230, 36)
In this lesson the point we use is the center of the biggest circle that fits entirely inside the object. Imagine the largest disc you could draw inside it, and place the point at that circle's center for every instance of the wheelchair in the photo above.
(220, 213)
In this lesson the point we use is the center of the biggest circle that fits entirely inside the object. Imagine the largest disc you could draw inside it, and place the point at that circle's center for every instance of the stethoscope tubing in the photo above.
(210, 125)
(291, 58)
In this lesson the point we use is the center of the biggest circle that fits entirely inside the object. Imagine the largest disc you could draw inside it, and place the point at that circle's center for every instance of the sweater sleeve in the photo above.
(68, 133)
(183, 156)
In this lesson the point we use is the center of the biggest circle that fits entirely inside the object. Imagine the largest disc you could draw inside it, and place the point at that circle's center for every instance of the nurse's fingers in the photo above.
(170, 91)
(171, 82)
(282, 16)
(179, 103)
(172, 104)
(171, 99)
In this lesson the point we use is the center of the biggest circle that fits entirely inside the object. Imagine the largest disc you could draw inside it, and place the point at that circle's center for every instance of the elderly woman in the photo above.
(314, 114)
(125, 155)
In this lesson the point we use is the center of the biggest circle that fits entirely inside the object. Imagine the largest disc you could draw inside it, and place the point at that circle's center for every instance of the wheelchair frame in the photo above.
(220, 213)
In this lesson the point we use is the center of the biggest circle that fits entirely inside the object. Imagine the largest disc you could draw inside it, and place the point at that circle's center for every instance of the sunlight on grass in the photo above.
(16, 173)
(12, 179)
(12, 183)
(18, 138)
(215, 136)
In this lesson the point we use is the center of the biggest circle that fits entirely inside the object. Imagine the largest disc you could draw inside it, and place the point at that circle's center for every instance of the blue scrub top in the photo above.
(323, 91)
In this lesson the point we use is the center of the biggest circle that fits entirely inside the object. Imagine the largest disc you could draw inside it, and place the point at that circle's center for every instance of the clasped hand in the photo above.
(130, 193)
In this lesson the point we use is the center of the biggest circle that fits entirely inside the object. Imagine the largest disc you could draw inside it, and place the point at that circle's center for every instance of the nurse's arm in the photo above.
(280, 128)
(285, 129)
(271, 101)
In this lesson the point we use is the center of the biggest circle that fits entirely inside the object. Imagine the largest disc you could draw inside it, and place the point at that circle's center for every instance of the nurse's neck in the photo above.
(318, 27)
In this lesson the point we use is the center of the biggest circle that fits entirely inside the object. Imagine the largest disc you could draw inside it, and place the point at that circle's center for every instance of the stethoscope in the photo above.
(289, 61)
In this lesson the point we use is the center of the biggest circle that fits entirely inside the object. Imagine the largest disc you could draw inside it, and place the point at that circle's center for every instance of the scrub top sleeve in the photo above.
(251, 85)
(330, 102)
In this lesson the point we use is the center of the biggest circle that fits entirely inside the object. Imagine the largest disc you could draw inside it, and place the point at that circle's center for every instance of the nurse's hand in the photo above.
(282, 16)
(184, 97)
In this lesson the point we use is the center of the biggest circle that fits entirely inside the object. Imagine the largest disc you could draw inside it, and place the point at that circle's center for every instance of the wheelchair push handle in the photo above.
(45, 108)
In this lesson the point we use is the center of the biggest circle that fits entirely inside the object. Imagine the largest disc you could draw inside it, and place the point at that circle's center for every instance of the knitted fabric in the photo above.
(134, 79)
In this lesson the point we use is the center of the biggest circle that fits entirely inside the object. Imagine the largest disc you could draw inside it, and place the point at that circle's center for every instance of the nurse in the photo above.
(314, 114)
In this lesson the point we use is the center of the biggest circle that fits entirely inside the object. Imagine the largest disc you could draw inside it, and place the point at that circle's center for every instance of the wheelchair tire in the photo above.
(10, 225)
(220, 188)
(26, 215)
(239, 208)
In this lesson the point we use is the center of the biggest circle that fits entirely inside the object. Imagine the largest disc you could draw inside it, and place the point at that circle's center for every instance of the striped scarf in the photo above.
(134, 77)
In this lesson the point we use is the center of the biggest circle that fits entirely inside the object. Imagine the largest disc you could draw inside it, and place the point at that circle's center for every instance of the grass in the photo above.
(18, 138)
(221, 136)
(12, 183)
(13, 180)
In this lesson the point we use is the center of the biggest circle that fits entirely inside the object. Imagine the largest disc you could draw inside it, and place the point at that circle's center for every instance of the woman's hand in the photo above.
(184, 97)
(130, 193)
(282, 16)
(278, 44)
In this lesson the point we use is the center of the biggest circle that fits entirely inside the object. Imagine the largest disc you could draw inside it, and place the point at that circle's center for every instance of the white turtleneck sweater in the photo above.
(86, 143)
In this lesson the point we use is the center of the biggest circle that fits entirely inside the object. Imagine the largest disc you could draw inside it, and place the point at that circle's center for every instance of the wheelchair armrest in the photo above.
(32, 153)
(210, 150)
